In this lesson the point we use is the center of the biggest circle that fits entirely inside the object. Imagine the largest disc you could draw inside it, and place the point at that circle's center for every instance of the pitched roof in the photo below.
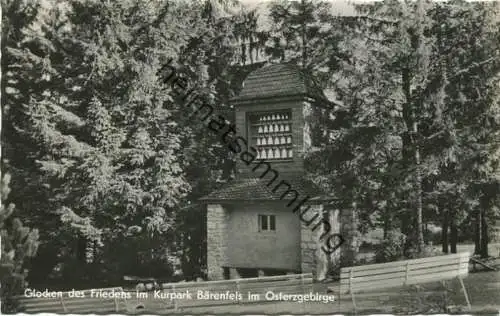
(257, 189)
(278, 80)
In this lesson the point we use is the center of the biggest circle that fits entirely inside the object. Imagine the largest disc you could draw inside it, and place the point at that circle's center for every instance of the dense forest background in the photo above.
(105, 167)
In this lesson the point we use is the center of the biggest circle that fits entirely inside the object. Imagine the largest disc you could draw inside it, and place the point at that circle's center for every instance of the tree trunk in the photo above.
(484, 236)
(406, 229)
(426, 229)
(304, 30)
(453, 237)
(444, 232)
(477, 233)
(81, 250)
(418, 193)
(387, 224)
(386, 229)
(410, 145)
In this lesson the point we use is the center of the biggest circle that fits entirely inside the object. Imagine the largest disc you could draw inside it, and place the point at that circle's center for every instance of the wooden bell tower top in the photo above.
(272, 113)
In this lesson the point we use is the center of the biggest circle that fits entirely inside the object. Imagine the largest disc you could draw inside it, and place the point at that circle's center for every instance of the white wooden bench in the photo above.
(400, 273)
(77, 305)
(286, 284)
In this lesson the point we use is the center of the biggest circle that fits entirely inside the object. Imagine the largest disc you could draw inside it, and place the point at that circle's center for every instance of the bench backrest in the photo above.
(399, 273)
(67, 304)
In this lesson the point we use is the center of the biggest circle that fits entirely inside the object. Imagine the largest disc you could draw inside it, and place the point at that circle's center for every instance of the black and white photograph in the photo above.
(214, 157)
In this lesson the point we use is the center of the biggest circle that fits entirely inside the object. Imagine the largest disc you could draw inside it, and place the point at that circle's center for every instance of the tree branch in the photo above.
(474, 65)
(378, 19)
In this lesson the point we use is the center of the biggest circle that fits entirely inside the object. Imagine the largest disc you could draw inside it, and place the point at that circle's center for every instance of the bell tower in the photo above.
(270, 219)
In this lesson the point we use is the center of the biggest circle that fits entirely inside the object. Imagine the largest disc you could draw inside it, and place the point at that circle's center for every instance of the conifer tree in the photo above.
(18, 244)
(416, 94)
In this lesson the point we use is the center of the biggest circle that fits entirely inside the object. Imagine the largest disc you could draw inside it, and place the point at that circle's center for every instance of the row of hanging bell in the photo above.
(274, 141)
(275, 153)
(274, 117)
(274, 128)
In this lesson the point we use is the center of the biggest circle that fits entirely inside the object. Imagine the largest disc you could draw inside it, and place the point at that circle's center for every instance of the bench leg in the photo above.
(63, 305)
(443, 284)
(353, 302)
(465, 292)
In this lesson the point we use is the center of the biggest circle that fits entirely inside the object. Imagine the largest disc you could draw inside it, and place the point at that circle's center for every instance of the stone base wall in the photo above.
(312, 257)
(334, 219)
(308, 249)
(349, 230)
(216, 241)
(316, 246)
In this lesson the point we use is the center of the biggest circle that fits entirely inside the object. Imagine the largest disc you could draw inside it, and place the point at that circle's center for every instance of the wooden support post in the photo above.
(63, 305)
(116, 304)
(465, 292)
(460, 261)
(303, 290)
(350, 281)
(238, 289)
(175, 300)
(302, 283)
(443, 283)
(407, 271)
(351, 276)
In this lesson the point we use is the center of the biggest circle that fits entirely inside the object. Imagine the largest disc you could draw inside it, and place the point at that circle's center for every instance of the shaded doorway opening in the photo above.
(248, 273)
